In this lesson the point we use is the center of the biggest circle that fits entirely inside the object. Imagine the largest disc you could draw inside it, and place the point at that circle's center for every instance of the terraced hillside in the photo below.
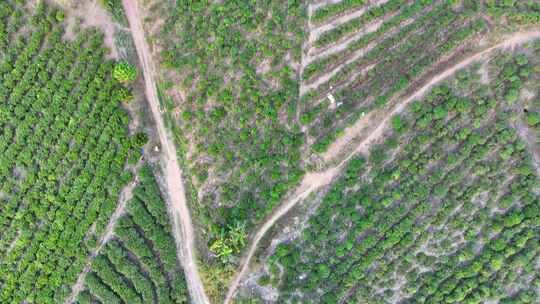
(64, 146)
(361, 62)
(444, 209)
(139, 264)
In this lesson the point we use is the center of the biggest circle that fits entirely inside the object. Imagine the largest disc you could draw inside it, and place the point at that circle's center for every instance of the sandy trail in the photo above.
(182, 224)
(125, 196)
(312, 181)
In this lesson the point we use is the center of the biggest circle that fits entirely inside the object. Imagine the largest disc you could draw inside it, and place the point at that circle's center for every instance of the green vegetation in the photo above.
(139, 265)
(124, 72)
(340, 31)
(522, 12)
(237, 119)
(533, 118)
(63, 149)
(327, 12)
(116, 10)
(395, 62)
(445, 210)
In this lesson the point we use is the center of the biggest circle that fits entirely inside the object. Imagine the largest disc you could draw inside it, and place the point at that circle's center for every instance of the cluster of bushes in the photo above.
(116, 10)
(240, 107)
(356, 24)
(139, 265)
(332, 10)
(444, 211)
(64, 145)
(521, 12)
(321, 65)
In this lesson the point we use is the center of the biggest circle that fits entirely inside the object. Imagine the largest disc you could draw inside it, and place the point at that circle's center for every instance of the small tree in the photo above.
(533, 118)
(140, 139)
(123, 94)
(125, 72)
(398, 124)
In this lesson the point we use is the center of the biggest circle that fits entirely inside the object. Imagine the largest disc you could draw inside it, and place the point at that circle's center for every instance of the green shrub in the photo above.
(124, 72)
(140, 139)
(533, 118)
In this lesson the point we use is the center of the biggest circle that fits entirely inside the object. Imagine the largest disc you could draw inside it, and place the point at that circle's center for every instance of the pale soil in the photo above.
(125, 196)
(13, 243)
(314, 180)
(182, 224)
(484, 72)
(92, 14)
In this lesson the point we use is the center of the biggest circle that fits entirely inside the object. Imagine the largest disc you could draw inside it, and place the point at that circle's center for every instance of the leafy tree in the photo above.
(533, 118)
(124, 72)
(140, 139)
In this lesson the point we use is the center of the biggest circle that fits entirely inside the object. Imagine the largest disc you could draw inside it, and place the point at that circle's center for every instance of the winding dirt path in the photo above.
(314, 180)
(125, 196)
(182, 224)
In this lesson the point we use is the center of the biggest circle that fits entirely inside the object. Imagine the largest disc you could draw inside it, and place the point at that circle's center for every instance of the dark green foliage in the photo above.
(140, 139)
(450, 211)
(240, 107)
(124, 94)
(533, 118)
(124, 72)
(141, 266)
(63, 150)
(116, 10)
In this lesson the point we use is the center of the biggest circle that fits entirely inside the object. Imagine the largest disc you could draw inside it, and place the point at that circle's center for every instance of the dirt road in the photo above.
(313, 181)
(182, 225)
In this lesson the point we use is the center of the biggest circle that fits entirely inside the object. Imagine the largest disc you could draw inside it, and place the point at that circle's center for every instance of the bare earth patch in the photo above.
(91, 14)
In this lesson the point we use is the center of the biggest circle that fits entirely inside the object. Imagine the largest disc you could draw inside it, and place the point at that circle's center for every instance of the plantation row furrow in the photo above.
(337, 33)
(410, 253)
(389, 44)
(388, 28)
(314, 53)
(425, 236)
(140, 265)
(480, 113)
(444, 286)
